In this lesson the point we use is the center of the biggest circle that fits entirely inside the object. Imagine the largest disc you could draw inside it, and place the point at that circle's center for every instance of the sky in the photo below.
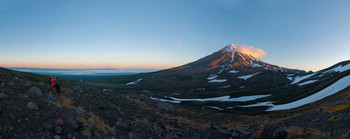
(159, 34)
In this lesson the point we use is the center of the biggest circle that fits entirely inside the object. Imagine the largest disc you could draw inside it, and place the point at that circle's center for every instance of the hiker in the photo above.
(53, 84)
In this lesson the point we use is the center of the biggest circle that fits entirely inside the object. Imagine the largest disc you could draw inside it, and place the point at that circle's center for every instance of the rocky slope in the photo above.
(32, 109)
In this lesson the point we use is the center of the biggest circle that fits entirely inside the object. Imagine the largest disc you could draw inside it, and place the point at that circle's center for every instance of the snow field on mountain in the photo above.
(330, 90)
(307, 82)
(246, 77)
(135, 82)
(300, 78)
(221, 99)
(217, 81)
(340, 68)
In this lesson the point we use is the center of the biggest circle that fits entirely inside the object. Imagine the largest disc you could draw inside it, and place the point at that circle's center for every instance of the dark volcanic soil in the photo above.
(83, 112)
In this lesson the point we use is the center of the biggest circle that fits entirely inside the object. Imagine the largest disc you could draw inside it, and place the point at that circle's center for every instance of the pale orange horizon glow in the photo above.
(86, 66)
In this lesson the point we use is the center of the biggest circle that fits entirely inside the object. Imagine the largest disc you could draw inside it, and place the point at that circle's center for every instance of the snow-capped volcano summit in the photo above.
(229, 48)
(238, 57)
(249, 50)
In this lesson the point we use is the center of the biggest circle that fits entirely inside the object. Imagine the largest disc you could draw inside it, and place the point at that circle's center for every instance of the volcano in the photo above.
(231, 58)
(226, 69)
(231, 74)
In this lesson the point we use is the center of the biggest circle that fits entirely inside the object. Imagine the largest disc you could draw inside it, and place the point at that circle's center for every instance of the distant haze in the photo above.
(100, 72)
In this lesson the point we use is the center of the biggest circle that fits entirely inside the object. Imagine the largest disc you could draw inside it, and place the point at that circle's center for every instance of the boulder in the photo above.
(50, 98)
(11, 83)
(58, 129)
(106, 91)
(41, 84)
(32, 106)
(78, 89)
(241, 134)
(275, 131)
(34, 91)
(12, 116)
(57, 137)
(131, 135)
(121, 124)
(3, 95)
(74, 124)
(164, 105)
(59, 122)
(27, 84)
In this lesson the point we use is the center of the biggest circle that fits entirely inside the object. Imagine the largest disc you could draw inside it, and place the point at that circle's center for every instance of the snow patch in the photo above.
(233, 56)
(307, 82)
(135, 82)
(217, 81)
(340, 69)
(298, 78)
(227, 86)
(243, 58)
(223, 98)
(221, 71)
(269, 103)
(220, 99)
(245, 77)
(330, 90)
(254, 64)
(212, 77)
(290, 78)
(233, 71)
(165, 100)
(214, 107)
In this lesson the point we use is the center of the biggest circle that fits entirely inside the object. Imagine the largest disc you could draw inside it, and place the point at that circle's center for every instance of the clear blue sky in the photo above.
(304, 34)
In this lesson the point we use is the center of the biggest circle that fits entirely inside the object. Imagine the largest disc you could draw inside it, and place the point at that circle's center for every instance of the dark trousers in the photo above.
(57, 88)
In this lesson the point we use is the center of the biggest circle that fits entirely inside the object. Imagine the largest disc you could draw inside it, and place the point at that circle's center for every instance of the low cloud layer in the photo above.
(250, 50)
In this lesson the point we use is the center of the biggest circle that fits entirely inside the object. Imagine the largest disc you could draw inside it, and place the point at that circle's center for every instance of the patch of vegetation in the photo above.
(299, 131)
(311, 131)
(101, 127)
(338, 108)
(65, 102)
(334, 118)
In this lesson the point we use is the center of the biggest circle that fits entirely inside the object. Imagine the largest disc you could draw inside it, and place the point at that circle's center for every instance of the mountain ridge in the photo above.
(230, 56)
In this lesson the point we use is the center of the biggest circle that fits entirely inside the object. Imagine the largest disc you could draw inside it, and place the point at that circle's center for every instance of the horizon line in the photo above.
(86, 68)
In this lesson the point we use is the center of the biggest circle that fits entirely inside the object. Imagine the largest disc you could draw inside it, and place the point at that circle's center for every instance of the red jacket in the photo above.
(53, 81)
